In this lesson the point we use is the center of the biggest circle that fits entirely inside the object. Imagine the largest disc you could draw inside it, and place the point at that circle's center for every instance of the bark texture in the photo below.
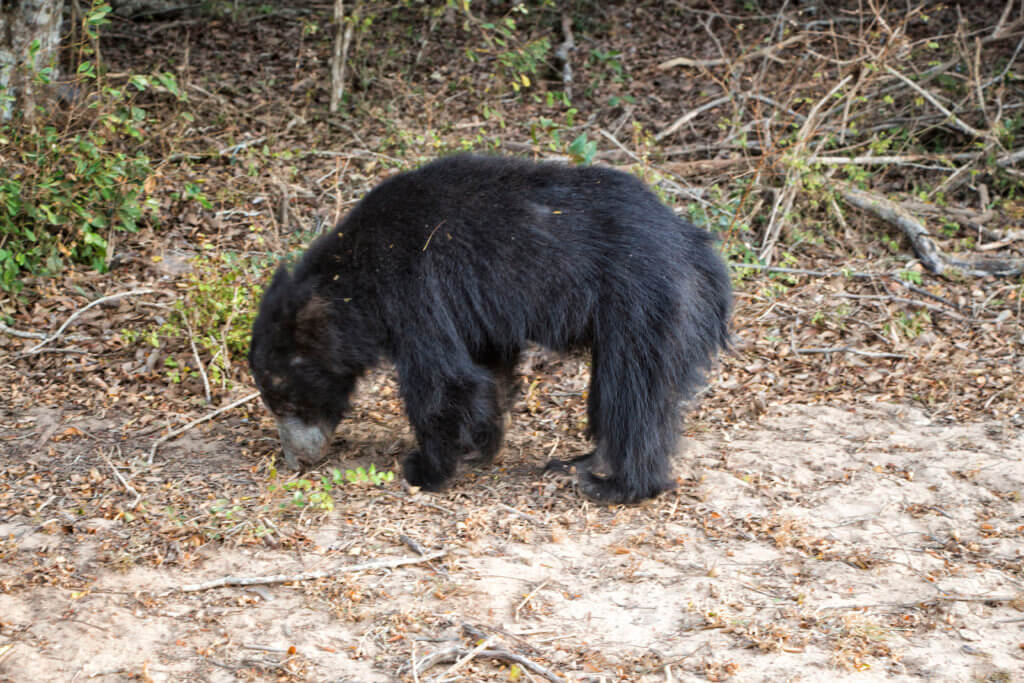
(22, 23)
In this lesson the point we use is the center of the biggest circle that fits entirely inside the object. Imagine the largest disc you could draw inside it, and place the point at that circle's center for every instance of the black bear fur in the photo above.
(450, 270)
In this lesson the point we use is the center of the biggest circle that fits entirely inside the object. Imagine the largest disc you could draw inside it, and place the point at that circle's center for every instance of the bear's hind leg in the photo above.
(631, 411)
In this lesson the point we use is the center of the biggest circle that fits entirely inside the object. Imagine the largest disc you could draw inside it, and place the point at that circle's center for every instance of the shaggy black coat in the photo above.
(450, 270)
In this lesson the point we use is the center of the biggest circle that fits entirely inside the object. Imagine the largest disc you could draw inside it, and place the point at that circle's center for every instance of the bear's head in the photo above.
(297, 359)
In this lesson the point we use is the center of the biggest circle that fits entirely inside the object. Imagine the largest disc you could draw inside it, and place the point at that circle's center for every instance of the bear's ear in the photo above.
(312, 325)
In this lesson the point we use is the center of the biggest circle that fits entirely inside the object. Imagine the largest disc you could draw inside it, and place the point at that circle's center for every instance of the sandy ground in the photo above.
(822, 543)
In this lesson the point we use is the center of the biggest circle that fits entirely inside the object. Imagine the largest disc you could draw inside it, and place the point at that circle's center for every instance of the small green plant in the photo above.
(369, 475)
(550, 132)
(911, 276)
(891, 243)
(318, 495)
(518, 59)
(304, 493)
(607, 68)
(723, 216)
(609, 61)
(910, 325)
(582, 150)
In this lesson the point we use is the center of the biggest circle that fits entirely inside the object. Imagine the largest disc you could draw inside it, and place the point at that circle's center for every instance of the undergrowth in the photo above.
(214, 313)
(69, 185)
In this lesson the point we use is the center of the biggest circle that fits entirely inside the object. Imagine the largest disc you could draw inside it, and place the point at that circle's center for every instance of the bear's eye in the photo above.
(278, 405)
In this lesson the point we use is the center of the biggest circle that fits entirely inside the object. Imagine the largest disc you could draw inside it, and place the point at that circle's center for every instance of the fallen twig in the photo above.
(18, 333)
(227, 151)
(847, 349)
(308, 576)
(199, 361)
(529, 597)
(103, 299)
(468, 657)
(128, 487)
(455, 652)
(953, 118)
(181, 430)
(525, 515)
(906, 301)
(674, 660)
(766, 51)
(1008, 598)
(1004, 161)
(691, 115)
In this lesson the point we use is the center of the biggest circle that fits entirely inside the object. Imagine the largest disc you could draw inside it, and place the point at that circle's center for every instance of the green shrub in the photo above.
(67, 185)
(62, 195)
(215, 311)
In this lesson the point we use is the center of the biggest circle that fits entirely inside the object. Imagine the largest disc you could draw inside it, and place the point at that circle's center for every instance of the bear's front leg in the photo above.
(429, 469)
(452, 406)
(447, 423)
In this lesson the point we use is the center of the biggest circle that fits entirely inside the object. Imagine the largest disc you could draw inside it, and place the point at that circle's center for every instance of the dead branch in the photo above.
(970, 219)
(455, 652)
(128, 487)
(767, 51)
(234, 149)
(198, 360)
(1010, 159)
(618, 144)
(784, 199)
(529, 597)
(467, 658)
(18, 333)
(103, 299)
(308, 576)
(890, 159)
(691, 115)
(1004, 29)
(903, 300)
(953, 118)
(925, 248)
(1007, 598)
(181, 430)
(851, 274)
(846, 349)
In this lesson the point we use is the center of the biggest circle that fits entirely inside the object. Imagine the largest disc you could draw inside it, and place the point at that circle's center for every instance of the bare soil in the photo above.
(818, 542)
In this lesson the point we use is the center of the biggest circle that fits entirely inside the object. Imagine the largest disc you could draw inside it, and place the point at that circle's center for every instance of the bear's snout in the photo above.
(304, 444)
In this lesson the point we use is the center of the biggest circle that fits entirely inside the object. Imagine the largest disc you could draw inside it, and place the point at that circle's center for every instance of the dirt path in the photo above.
(851, 544)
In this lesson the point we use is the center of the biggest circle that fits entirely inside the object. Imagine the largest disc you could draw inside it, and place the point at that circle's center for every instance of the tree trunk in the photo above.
(29, 40)
(339, 58)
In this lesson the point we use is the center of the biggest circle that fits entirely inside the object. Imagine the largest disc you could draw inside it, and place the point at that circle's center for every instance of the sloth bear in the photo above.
(451, 269)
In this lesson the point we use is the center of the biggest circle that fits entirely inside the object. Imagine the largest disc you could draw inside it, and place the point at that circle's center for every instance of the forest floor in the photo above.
(850, 488)
(851, 542)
